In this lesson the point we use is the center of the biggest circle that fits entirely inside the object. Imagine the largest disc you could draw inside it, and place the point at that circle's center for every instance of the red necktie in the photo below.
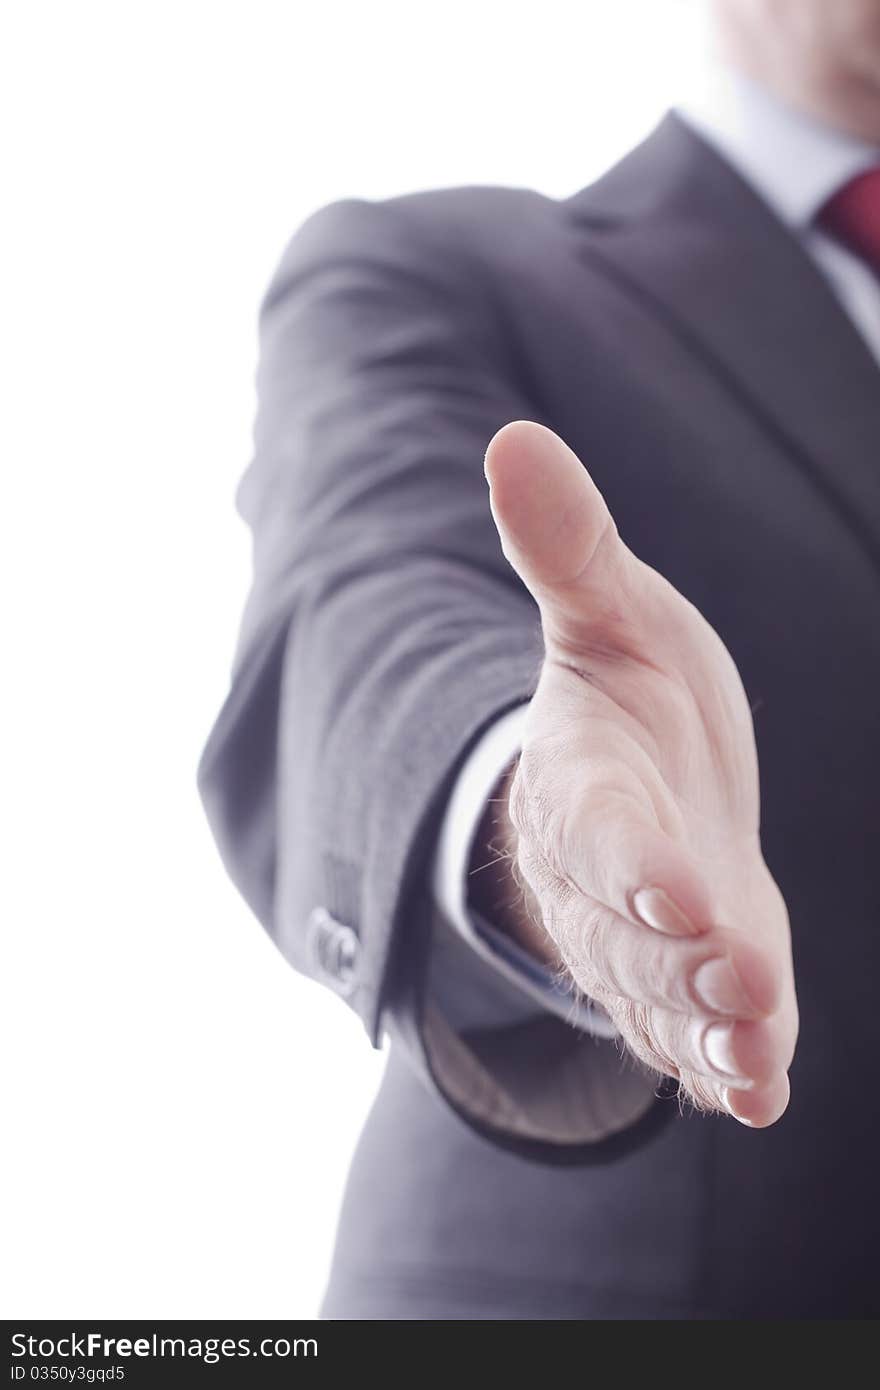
(853, 216)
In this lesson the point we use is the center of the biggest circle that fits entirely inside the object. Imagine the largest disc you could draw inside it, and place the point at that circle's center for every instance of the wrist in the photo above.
(496, 887)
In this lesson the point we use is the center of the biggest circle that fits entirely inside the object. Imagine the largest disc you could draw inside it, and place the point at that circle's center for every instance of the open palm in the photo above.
(636, 799)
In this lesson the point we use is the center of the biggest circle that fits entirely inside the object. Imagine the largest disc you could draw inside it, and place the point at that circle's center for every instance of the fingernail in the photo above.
(656, 909)
(718, 987)
(725, 1101)
(717, 1048)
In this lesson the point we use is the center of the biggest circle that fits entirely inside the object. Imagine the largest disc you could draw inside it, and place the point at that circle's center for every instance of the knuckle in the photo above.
(626, 965)
(640, 1030)
(669, 973)
(636, 1024)
(699, 1092)
(559, 821)
(578, 927)
(599, 947)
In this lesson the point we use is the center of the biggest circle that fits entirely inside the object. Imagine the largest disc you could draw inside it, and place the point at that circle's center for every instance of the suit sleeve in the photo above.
(384, 631)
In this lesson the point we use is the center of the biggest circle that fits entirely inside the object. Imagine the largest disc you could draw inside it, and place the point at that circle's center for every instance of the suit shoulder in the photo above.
(475, 211)
(472, 221)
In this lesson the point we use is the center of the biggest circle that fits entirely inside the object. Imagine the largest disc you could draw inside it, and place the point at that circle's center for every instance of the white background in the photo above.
(179, 1107)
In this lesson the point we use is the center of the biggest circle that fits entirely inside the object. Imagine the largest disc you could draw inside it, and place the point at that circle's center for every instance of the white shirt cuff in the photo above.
(534, 984)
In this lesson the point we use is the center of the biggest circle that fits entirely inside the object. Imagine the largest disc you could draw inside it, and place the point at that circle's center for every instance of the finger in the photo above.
(741, 1055)
(721, 974)
(666, 1046)
(756, 1108)
(608, 846)
(760, 1107)
(554, 525)
(607, 843)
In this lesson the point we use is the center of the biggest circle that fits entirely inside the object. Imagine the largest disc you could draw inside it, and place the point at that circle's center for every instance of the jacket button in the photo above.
(334, 949)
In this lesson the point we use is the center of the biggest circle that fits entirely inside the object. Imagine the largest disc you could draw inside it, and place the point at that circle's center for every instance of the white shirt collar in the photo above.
(794, 162)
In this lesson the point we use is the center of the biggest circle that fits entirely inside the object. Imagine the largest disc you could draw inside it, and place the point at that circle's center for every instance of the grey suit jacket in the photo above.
(668, 327)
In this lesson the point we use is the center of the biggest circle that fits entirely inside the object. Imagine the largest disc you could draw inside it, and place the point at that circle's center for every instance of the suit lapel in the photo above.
(678, 227)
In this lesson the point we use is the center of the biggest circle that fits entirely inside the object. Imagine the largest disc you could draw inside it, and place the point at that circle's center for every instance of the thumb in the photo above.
(555, 528)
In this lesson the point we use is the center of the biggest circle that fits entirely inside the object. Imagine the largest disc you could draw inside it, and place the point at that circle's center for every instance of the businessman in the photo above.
(489, 765)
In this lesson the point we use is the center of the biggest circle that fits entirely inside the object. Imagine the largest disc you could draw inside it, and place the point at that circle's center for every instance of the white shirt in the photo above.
(795, 164)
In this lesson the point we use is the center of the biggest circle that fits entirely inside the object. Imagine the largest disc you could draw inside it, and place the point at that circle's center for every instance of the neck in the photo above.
(845, 102)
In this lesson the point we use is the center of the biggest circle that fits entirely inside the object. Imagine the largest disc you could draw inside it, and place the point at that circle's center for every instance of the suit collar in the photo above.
(680, 229)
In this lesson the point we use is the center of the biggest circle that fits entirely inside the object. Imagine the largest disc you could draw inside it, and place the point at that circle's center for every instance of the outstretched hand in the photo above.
(634, 808)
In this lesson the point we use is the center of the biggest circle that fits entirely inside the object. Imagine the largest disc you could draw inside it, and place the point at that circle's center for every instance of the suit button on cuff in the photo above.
(334, 950)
